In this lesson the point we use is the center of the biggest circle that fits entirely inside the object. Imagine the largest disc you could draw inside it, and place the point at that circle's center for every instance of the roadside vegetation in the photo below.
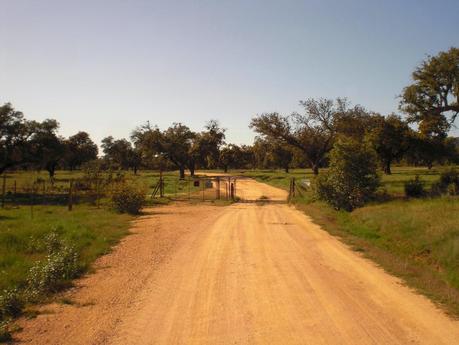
(43, 249)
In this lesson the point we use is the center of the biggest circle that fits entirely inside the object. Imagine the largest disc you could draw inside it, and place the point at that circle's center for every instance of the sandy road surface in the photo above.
(243, 274)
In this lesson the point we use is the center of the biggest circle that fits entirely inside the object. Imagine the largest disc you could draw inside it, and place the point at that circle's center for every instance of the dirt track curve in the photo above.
(241, 274)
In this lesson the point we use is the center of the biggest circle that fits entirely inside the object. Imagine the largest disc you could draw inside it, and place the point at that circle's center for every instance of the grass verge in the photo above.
(43, 248)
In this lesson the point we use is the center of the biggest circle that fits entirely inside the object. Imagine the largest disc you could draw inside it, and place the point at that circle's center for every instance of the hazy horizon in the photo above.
(106, 67)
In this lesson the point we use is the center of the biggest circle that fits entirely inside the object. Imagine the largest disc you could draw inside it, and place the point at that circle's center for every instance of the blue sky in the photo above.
(109, 66)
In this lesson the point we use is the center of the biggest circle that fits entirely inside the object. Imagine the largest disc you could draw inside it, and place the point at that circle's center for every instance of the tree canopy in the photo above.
(433, 97)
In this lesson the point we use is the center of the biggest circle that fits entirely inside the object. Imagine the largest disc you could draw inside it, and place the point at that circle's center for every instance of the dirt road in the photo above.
(241, 274)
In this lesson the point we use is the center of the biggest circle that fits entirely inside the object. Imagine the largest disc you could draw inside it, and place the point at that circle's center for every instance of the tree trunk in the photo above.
(286, 169)
(135, 169)
(51, 171)
(387, 169)
(315, 169)
(429, 165)
(191, 171)
(182, 172)
(225, 169)
(51, 168)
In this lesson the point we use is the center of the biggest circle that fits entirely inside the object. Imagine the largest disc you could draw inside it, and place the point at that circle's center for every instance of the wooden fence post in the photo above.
(97, 193)
(70, 205)
(218, 188)
(32, 201)
(15, 191)
(3, 190)
(203, 188)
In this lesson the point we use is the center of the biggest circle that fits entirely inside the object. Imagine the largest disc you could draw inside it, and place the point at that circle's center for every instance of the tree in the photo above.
(47, 149)
(204, 150)
(174, 143)
(434, 94)
(229, 156)
(390, 138)
(312, 133)
(281, 156)
(15, 133)
(79, 149)
(209, 143)
(352, 178)
(355, 123)
(118, 152)
(261, 154)
(426, 150)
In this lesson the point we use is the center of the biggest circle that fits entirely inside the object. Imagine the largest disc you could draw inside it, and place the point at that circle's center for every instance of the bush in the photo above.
(130, 199)
(352, 178)
(52, 273)
(449, 177)
(448, 183)
(5, 334)
(10, 304)
(414, 188)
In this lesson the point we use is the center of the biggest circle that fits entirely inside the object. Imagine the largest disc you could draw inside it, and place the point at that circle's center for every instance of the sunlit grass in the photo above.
(93, 231)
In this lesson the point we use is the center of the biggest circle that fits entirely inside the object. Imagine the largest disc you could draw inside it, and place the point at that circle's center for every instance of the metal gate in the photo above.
(199, 188)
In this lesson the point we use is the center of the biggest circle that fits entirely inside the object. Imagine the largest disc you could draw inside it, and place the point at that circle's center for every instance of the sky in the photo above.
(109, 66)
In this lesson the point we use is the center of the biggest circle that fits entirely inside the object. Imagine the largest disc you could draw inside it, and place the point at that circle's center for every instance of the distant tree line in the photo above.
(429, 106)
(36, 145)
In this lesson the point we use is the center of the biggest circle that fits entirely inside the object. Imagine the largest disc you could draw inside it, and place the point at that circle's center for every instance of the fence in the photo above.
(62, 192)
(197, 188)
(298, 188)
(73, 191)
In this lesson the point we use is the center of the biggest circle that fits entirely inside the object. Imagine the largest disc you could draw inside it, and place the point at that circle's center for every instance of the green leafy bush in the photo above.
(10, 304)
(448, 183)
(414, 188)
(53, 272)
(449, 177)
(130, 199)
(5, 334)
(352, 178)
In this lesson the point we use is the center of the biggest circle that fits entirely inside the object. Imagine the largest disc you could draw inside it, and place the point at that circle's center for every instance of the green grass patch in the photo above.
(92, 231)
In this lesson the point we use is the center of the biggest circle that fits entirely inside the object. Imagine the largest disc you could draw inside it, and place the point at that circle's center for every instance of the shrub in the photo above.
(414, 188)
(51, 274)
(436, 189)
(10, 304)
(130, 199)
(448, 183)
(5, 334)
(352, 178)
(449, 177)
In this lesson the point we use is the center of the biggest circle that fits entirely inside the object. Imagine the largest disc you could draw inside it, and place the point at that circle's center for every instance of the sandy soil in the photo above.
(242, 274)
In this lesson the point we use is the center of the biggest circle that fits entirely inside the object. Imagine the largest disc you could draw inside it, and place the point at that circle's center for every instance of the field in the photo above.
(416, 239)
(91, 230)
(91, 227)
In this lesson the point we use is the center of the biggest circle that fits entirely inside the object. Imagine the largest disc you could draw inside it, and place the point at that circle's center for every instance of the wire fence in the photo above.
(298, 187)
(197, 188)
(98, 190)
